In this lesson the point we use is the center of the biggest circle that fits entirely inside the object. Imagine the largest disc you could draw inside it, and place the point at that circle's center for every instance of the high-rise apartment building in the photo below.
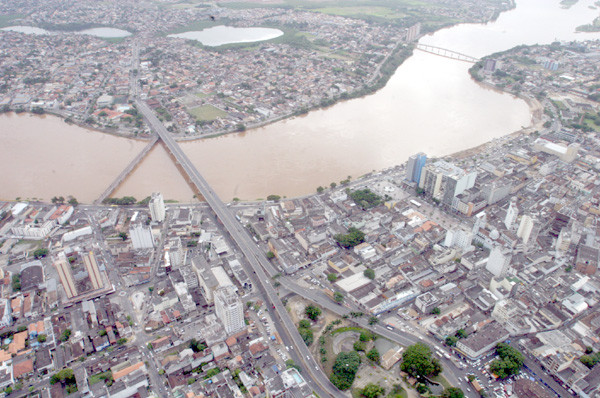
(141, 237)
(511, 214)
(91, 266)
(414, 166)
(157, 207)
(66, 276)
(498, 262)
(525, 228)
(229, 309)
(444, 181)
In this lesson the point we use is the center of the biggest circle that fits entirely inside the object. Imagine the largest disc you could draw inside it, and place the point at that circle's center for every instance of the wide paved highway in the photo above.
(315, 377)
(451, 371)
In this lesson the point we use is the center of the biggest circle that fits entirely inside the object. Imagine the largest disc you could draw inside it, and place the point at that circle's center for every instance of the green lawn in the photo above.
(375, 11)
(207, 112)
(100, 377)
(200, 94)
(442, 380)
(590, 123)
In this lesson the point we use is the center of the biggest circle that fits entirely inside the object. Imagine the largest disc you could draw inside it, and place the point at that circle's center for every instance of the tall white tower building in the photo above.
(525, 228)
(229, 309)
(511, 214)
(141, 237)
(157, 207)
(498, 263)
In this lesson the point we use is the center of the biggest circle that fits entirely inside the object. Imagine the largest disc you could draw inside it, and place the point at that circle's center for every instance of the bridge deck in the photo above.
(121, 177)
(444, 52)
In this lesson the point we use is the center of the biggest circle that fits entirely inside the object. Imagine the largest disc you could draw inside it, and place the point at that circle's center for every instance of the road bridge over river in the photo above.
(255, 257)
(121, 177)
(444, 52)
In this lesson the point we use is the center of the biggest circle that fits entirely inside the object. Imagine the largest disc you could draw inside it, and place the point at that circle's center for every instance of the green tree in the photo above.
(453, 392)
(372, 391)
(320, 189)
(39, 253)
(304, 324)
(332, 277)
(270, 255)
(451, 341)
(373, 320)
(312, 312)
(16, 282)
(273, 197)
(197, 346)
(365, 335)
(436, 311)
(338, 297)
(65, 335)
(365, 198)
(373, 355)
(360, 345)
(65, 377)
(307, 335)
(461, 334)
(344, 369)
(369, 273)
(509, 362)
(418, 361)
(353, 238)
(123, 236)
(291, 364)
(41, 338)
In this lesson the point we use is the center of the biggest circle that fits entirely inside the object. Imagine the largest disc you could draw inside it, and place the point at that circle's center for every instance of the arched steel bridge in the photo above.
(444, 52)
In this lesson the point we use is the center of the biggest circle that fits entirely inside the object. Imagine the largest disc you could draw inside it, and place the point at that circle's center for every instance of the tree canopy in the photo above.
(369, 273)
(365, 198)
(373, 355)
(372, 391)
(353, 238)
(344, 369)
(418, 362)
(509, 363)
(453, 392)
(312, 312)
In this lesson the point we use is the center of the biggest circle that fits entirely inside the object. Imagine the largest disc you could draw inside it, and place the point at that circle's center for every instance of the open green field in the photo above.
(376, 11)
(386, 11)
(7, 20)
(207, 112)
(200, 94)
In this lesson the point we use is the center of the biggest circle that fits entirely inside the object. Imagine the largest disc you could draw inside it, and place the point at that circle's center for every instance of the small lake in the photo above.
(219, 35)
(98, 32)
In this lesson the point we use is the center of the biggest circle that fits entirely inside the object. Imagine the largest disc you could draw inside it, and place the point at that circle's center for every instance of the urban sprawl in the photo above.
(470, 275)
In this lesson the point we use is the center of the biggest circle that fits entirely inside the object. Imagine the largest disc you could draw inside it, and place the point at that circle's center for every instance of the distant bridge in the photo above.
(444, 52)
(121, 177)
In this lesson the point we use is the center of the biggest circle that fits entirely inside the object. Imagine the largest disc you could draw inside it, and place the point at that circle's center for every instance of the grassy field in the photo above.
(200, 94)
(6, 20)
(207, 112)
(372, 10)
(590, 123)
(376, 11)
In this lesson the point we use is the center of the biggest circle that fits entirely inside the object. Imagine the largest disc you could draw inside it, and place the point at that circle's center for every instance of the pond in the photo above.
(219, 35)
(98, 32)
